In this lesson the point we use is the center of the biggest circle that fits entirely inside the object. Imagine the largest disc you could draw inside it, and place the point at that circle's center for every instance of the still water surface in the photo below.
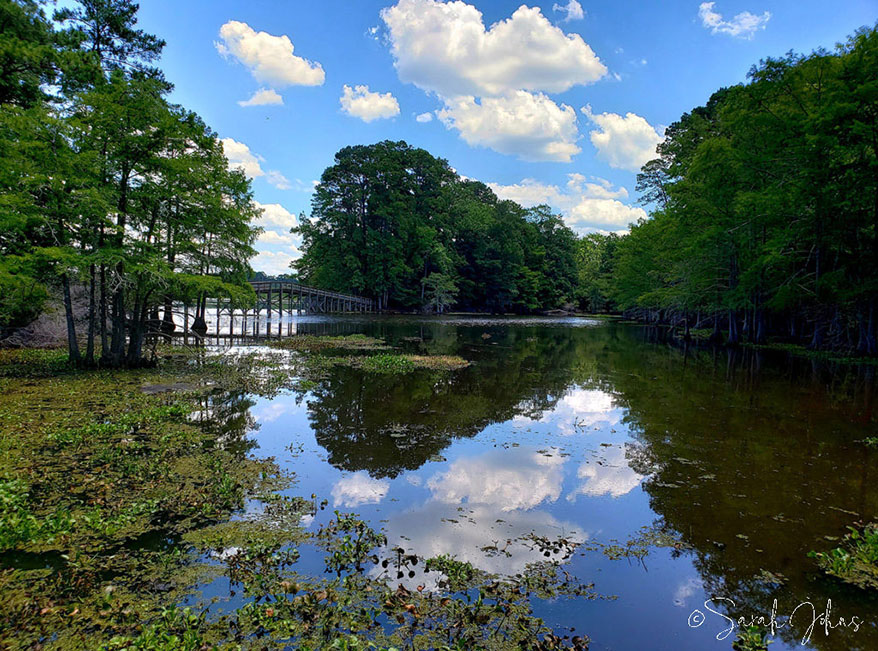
(592, 431)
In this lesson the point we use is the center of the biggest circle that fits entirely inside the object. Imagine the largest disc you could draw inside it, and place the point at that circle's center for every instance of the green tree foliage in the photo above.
(595, 254)
(27, 54)
(766, 204)
(106, 185)
(392, 222)
(441, 291)
(21, 297)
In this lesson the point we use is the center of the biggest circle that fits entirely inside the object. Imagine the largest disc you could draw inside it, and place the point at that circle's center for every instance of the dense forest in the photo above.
(106, 188)
(766, 209)
(764, 206)
(393, 222)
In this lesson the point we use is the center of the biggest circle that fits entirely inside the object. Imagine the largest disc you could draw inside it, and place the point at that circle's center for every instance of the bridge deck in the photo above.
(290, 296)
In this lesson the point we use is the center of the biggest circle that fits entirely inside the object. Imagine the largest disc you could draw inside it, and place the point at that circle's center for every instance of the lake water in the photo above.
(599, 433)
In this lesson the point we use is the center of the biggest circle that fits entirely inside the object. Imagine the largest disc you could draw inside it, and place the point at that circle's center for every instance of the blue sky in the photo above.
(548, 103)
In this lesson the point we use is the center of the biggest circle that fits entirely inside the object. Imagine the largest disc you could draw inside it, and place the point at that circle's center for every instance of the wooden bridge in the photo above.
(289, 296)
(275, 299)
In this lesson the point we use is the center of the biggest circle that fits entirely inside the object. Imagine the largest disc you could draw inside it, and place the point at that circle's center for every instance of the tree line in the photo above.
(106, 187)
(764, 205)
(392, 222)
(765, 210)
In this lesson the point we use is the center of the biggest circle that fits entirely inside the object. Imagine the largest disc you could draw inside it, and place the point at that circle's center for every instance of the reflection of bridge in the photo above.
(289, 296)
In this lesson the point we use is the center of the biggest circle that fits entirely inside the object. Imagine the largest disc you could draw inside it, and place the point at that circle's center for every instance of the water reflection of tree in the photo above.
(388, 424)
(226, 416)
(754, 462)
(753, 458)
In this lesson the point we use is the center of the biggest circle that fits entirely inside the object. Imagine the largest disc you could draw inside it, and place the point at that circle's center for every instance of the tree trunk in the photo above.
(135, 344)
(199, 325)
(72, 343)
(168, 325)
(105, 346)
(117, 335)
(817, 339)
(734, 333)
(871, 343)
(759, 334)
(716, 336)
(90, 345)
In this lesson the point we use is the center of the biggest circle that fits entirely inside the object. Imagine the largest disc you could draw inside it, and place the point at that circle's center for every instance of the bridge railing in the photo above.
(260, 286)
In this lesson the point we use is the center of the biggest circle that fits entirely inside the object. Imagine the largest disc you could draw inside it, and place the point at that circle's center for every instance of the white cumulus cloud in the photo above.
(274, 262)
(528, 125)
(583, 410)
(743, 25)
(273, 237)
(362, 103)
(275, 215)
(625, 142)
(587, 206)
(424, 117)
(445, 47)
(263, 97)
(241, 157)
(278, 180)
(269, 58)
(493, 79)
(573, 10)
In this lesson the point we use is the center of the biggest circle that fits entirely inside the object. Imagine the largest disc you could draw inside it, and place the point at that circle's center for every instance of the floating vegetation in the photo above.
(855, 561)
(389, 364)
(639, 546)
(315, 343)
(122, 491)
(438, 362)
(371, 357)
(399, 364)
(32, 362)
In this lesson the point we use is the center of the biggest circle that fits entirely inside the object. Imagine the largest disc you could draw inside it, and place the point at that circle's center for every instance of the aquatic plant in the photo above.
(855, 561)
(318, 343)
(390, 364)
(17, 522)
(33, 362)
(752, 638)
(124, 499)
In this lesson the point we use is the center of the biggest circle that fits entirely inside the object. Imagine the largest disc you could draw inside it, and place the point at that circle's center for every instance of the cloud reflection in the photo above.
(608, 475)
(581, 410)
(520, 478)
(358, 489)
(475, 535)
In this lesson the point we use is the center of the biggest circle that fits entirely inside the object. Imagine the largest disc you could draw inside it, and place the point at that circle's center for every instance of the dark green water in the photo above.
(591, 431)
